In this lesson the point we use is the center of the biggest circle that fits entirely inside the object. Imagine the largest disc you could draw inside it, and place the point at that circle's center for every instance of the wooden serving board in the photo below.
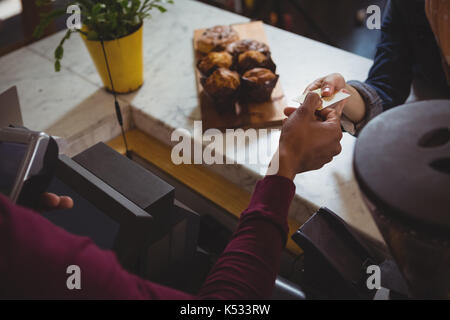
(251, 115)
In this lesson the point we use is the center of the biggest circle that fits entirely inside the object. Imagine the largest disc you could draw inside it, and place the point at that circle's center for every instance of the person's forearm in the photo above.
(248, 267)
(355, 108)
(35, 255)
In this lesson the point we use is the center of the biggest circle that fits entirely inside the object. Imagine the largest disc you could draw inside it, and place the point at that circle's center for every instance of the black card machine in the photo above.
(27, 163)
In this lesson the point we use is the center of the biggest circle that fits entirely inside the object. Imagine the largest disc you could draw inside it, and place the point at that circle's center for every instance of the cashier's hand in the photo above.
(51, 201)
(308, 142)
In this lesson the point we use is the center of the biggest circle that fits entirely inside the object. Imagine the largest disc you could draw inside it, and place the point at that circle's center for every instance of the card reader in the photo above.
(27, 162)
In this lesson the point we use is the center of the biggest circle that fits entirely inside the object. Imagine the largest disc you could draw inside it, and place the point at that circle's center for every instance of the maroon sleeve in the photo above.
(35, 255)
(249, 265)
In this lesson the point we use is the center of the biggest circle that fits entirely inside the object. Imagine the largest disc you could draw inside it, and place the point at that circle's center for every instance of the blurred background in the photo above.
(337, 23)
(340, 23)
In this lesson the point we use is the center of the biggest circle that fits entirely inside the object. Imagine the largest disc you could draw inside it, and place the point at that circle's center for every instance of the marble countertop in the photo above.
(72, 103)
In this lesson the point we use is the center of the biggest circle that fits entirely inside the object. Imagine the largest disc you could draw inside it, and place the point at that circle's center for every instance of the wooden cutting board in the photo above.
(251, 115)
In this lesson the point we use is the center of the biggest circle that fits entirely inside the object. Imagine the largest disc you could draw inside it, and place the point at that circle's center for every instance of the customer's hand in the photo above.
(355, 108)
(306, 142)
(329, 84)
(51, 201)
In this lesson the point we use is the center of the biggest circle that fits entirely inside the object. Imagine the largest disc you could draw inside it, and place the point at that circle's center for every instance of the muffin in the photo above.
(258, 84)
(254, 59)
(216, 38)
(222, 86)
(238, 47)
(209, 63)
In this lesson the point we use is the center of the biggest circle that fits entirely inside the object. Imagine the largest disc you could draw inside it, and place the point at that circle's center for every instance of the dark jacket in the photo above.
(407, 53)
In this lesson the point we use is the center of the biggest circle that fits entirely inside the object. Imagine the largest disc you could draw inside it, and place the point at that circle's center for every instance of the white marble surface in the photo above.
(168, 99)
(45, 96)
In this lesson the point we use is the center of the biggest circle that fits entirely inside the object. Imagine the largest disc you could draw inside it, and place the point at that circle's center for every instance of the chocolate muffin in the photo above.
(254, 59)
(216, 38)
(222, 86)
(209, 63)
(258, 84)
(241, 46)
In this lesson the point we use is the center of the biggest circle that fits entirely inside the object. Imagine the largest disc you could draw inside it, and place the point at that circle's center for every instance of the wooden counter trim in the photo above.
(208, 184)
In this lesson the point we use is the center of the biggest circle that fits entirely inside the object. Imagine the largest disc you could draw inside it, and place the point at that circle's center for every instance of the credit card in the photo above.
(326, 101)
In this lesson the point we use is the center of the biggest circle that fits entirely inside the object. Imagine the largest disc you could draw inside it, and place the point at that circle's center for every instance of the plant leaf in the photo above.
(57, 65)
(59, 52)
(160, 8)
(102, 19)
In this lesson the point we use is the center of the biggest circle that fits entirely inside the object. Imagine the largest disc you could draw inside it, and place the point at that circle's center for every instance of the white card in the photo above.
(326, 101)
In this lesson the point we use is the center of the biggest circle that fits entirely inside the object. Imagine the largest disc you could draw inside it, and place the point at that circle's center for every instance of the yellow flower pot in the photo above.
(125, 59)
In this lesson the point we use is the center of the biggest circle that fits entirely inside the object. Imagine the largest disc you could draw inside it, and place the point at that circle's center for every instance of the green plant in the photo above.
(102, 19)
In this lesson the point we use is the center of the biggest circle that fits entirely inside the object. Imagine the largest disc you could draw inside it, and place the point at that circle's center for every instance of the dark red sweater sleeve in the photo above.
(35, 255)
(249, 265)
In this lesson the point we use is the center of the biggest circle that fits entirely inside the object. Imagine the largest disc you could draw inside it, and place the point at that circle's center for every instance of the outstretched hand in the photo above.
(329, 84)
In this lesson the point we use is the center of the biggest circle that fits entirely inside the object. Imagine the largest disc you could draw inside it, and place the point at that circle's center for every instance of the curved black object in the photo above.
(401, 163)
(37, 184)
(398, 163)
